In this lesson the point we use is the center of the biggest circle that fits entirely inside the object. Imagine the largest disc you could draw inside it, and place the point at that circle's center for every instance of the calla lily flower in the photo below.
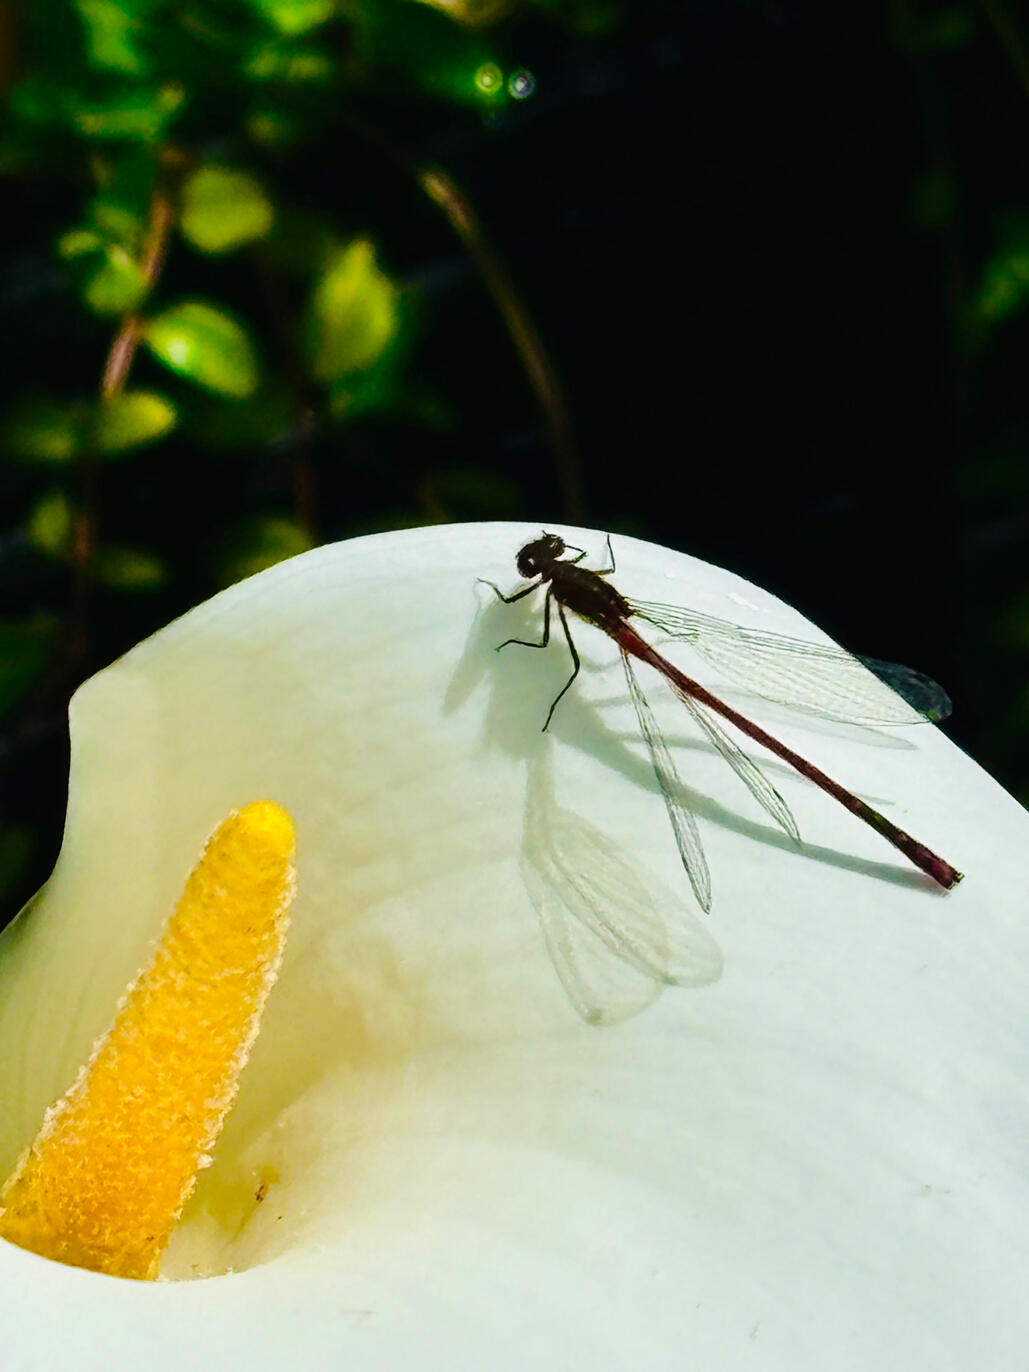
(475, 1131)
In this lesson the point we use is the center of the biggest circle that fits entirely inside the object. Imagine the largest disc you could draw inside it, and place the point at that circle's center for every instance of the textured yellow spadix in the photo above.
(115, 1159)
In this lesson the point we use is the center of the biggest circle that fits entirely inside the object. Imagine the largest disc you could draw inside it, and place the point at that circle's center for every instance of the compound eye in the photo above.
(526, 563)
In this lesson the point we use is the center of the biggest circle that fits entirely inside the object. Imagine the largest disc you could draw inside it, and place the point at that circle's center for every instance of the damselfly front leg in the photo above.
(545, 640)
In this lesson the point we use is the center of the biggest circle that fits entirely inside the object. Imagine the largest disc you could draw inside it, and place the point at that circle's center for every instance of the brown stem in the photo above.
(126, 340)
(445, 193)
(115, 375)
(452, 200)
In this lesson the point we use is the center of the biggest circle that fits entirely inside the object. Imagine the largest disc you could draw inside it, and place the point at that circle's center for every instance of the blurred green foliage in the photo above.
(1004, 283)
(221, 321)
(221, 209)
(205, 345)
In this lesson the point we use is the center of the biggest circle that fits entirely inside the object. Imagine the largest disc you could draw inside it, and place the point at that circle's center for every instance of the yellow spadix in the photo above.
(106, 1178)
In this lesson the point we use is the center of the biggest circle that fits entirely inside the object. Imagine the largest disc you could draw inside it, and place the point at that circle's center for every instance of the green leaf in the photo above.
(117, 286)
(79, 242)
(257, 543)
(108, 277)
(205, 345)
(117, 223)
(383, 385)
(1004, 288)
(472, 13)
(143, 113)
(47, 432)
(44, 431)
(128, 569)
(106, 273)
(1001, 293)
(290, 63)
(353, 315)
(272, 127)
(296, 16)
(50, 525)
(112, 33)
(25, 647)
(223, 209)
(131, 420)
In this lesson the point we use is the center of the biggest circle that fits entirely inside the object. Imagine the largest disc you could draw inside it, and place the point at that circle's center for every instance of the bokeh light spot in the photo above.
(521, 84)
(489, 78)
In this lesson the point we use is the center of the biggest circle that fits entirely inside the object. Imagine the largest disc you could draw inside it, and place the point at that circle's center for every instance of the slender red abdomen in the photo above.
(942, 872)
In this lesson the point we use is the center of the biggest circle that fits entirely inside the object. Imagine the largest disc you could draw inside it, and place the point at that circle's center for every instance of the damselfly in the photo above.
(811, 677)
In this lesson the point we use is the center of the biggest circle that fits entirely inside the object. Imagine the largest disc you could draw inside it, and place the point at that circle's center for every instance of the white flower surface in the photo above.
(516, 1102)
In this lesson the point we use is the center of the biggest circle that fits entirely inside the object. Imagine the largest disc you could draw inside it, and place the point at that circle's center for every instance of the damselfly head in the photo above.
(536, 558)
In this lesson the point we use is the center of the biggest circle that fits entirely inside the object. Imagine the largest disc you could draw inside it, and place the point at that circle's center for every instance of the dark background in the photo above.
(777, 256)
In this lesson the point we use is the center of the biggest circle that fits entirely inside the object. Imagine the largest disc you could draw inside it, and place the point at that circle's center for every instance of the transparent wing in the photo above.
(815, 677)
(745, 768)
(684, 826)
(603, 989)
(615, 934)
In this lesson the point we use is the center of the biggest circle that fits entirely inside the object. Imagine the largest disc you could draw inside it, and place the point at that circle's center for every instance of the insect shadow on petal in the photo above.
(617, 936)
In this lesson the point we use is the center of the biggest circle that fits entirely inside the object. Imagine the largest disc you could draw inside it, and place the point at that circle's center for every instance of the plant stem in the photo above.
(115, 375)
(126, 340)
(444, 192)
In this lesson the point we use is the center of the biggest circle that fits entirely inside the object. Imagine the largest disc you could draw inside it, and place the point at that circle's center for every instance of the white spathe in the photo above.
(814, 1160)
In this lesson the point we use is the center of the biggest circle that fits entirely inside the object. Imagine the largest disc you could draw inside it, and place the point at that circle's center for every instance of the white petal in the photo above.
(813, 1162)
